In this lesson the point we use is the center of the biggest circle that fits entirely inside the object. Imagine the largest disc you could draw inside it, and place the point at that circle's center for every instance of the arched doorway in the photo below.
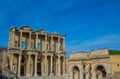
(75, 72)
(100, 72)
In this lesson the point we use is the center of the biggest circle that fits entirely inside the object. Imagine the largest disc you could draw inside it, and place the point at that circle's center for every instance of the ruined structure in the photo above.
(36, 53)
(41, 55)
(89, 65)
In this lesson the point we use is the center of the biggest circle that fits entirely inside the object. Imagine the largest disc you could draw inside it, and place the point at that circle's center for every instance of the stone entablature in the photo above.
(100, 53)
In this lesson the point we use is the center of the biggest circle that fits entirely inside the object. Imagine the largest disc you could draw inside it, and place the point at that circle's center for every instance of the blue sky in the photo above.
(88, 24)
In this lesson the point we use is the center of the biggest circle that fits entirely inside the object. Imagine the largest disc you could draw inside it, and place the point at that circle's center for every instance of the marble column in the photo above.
(46, 42)
(45, 64)
(29, 40)
(58, 44)
(36, 41)
(19, 65)
(35, 72)
(13, 39)
(56, 68)
(20, 39)
(59, 66)
(11, 62)
(64, 44)
(51, 42)
(63, 65)
(28, 66)
(51, 74)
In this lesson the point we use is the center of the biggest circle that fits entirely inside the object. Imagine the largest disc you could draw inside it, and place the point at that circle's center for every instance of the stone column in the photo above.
(81, 71)
(11, 62)
(56, 68)
(36, 42)
(93, 75)
(46, 42)
(19, 65)
(58, 44)
(87, 75)
(51, 66)
(64, 44)
(35, 72)
(28, 66)
(63, 65)
(93, 72)
(45, 64)
(13, 40)
(87, 69)
(29, 40)
(51, 42)
(20, 39)
(59, 66)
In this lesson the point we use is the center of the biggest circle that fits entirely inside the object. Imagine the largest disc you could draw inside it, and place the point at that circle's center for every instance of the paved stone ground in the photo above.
(113, 77)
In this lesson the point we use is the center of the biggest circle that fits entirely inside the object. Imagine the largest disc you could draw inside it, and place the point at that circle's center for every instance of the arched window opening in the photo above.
(100, 72)
(76, 72)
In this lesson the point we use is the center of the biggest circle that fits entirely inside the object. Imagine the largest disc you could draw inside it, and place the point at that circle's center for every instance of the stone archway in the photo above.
(76, 72)
(100, 72)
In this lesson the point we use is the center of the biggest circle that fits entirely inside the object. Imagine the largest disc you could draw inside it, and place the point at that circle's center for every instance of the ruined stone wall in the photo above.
(115, 63)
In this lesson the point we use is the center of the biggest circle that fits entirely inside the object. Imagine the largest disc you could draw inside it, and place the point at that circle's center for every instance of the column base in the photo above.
(35, 75)
(51, 74)
(44, 74)
(18, 75)
(58, 74)
(27, 75)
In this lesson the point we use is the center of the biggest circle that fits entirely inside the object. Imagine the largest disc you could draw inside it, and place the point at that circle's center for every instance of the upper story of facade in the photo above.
(25, 38)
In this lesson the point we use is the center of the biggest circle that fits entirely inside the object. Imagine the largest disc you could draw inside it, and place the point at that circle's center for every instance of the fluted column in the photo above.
(19, 65)
(20, 39)
(51, 66)
(35, 73)
(59, 66)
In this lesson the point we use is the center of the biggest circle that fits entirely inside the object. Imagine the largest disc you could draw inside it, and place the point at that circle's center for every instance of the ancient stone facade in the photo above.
(36, 53)
(92, 65)
(41, 55)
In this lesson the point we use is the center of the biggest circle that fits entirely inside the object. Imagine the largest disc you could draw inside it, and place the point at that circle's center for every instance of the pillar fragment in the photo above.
(51, 66)
(59, 66)
(11, 62)
(19, 65)
(35, 72)
(28, 66)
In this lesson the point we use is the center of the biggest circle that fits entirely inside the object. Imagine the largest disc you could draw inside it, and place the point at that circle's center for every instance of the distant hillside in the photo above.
(114, 52)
